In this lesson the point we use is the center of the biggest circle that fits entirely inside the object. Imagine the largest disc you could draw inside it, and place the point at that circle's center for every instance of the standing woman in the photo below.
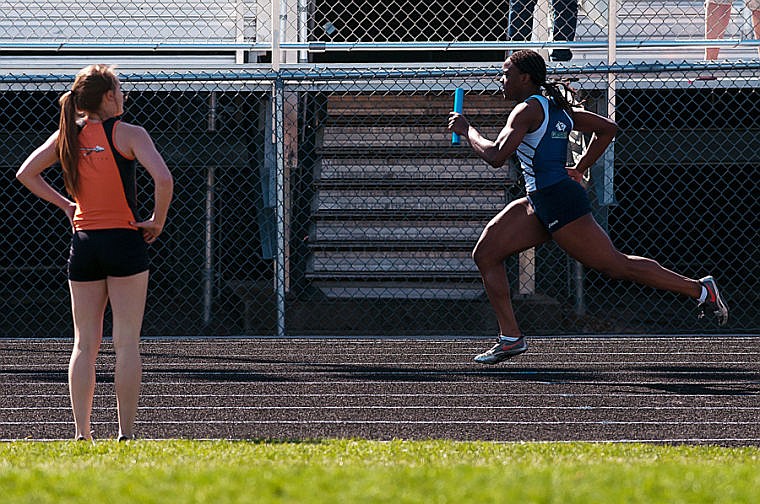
(108, 259)
(556, 206)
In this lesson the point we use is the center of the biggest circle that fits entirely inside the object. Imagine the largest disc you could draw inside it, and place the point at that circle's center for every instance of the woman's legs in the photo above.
(756, 25)
(127, 295)
(88, 303)
(717, 17)
(587, 242)
(512, 230)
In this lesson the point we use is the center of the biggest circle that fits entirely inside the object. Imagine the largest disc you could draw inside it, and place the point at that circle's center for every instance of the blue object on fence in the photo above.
(458, 103)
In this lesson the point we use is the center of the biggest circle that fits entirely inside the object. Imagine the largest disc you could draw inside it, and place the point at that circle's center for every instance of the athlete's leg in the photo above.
(88, 304)
(717, 16)
(512, 230)
(127, 295)
(756, 25)
(587, 242)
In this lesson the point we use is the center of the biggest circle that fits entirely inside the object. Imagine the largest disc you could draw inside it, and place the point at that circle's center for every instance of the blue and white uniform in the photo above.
(543, 153)
(556, 198)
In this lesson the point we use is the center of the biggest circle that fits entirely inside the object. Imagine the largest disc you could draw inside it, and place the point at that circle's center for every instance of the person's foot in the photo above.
(502, 350)
(123, 439)
(713, 303)
(561, 55)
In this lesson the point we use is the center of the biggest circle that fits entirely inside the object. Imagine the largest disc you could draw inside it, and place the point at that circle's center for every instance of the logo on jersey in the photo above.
(560, 130)
(86, 151)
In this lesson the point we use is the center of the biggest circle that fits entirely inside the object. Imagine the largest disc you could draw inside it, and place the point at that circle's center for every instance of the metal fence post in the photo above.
(278, 100)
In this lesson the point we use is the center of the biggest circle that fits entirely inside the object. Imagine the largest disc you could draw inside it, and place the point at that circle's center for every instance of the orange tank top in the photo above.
(106, 196)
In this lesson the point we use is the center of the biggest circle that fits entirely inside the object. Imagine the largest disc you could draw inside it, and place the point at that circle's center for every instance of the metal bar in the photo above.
(276, 35)
(314, 46)
(208, 267)
(303, 29)
(311, 73)
(580, 301)
(278, 101)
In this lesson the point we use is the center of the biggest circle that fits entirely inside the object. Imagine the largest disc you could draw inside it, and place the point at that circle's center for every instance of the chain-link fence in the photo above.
(350, 25)
(332, 202)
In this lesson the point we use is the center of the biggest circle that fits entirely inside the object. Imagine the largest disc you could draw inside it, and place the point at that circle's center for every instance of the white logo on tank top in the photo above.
(86, 151)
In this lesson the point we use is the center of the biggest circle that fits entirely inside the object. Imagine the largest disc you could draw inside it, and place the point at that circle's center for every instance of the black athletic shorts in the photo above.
(560, 203)
(101, 253)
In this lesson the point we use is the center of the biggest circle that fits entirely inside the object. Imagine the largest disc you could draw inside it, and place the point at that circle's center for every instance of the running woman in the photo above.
(108, 259)
(556, 206)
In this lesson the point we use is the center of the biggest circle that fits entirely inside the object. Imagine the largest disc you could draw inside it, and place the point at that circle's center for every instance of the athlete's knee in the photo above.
(124, 345)
(87, 346)
(482, 257)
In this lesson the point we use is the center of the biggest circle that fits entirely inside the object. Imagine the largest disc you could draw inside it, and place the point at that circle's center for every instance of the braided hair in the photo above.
(533, 64)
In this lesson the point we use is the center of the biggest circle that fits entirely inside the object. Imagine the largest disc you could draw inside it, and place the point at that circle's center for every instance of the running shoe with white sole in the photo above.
(713, 303)
(502, 350)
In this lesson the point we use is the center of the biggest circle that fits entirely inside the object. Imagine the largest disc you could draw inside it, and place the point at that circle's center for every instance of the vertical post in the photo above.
(278, 92)
(580, 301)
(276, 34)
(542, 25)
(208, 266)
(239, 30)
(607, 196)
(611, 57)
(526, 276)
(303, 28)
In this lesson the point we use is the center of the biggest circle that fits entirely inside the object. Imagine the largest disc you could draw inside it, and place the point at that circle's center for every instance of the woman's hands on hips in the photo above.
(150, 229)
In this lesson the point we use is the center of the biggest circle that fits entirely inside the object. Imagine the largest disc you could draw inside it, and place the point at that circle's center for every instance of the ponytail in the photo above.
(86, 96)
(67, 146)
(558, 91)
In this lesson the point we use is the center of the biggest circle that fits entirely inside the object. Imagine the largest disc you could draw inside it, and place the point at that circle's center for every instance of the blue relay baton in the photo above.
(458, 103)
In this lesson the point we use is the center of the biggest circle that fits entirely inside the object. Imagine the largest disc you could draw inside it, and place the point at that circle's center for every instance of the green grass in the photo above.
(343, 471)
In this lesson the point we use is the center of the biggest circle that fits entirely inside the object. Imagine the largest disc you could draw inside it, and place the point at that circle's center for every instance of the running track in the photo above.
(653, 389)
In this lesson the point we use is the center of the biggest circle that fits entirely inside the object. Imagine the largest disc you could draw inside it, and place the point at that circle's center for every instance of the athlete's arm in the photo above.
(30, 174)
(525, 117)
(137, 142)
(603, 130)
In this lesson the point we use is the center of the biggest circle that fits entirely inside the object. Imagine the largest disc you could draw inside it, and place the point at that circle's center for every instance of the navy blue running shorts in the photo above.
(101, 253)
(559, 204)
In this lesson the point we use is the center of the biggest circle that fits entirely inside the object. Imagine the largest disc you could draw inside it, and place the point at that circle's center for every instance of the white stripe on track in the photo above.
(362, 374)
(432, 395)
(381, 407)
(364, 382)
(249, 366)
(398, 422)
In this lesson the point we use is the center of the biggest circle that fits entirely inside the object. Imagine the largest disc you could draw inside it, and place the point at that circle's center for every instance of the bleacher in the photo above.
(397, 209)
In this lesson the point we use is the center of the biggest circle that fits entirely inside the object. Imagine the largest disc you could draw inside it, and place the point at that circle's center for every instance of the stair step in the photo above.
(394, 215)
(465, 288)
(407, 184)
(411, 230)
(361, 263)
(389, 245)
(421, 169)
(415, 105)
(406, 200)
